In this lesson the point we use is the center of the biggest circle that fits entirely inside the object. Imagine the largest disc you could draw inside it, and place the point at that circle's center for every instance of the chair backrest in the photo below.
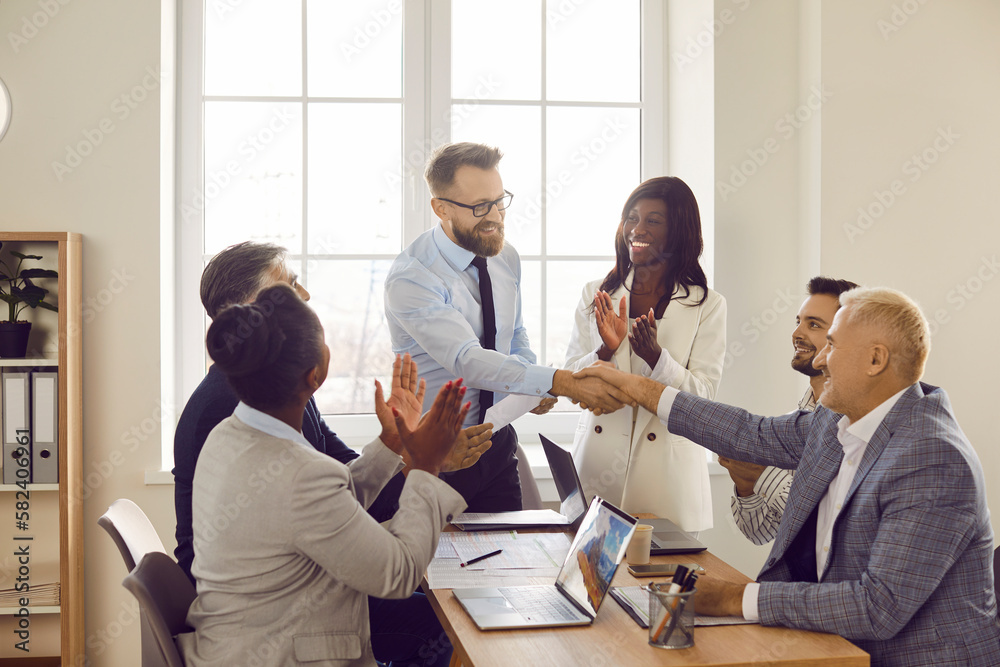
(531, 498)
(131, 530)
(165, 594)
(996, 573)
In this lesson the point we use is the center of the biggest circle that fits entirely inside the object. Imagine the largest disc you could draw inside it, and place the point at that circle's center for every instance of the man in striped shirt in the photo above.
(761, 492)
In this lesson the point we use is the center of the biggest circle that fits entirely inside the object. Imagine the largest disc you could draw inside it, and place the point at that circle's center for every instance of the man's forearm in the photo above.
(644, 390)
(561, 383)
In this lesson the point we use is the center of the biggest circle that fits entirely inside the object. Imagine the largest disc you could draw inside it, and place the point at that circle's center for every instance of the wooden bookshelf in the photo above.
(62, 349)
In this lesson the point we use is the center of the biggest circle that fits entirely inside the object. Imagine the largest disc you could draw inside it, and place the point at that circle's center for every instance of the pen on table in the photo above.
(680, 576)
(479, 558)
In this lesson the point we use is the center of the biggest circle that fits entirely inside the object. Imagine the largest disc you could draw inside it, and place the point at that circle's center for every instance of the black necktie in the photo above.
(489, 326)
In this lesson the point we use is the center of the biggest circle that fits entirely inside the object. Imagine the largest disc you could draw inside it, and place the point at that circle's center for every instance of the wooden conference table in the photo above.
(615, 639)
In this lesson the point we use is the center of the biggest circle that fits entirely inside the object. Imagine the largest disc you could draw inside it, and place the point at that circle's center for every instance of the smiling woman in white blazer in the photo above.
(652, 315)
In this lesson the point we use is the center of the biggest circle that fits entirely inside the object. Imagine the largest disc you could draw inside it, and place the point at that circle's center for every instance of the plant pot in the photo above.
(14, 339)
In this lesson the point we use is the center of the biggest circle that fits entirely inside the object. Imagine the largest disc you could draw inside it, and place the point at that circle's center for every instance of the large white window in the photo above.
(308, 123)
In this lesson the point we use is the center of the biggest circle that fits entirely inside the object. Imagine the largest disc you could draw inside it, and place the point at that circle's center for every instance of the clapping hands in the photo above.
(406, 398)
(643, 339)
(431, 443)
(612, 326)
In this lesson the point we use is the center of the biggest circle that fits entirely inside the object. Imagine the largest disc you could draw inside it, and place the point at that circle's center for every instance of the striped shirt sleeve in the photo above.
(759, 514)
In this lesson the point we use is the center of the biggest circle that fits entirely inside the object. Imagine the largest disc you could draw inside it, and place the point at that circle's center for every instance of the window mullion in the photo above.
(189, 204)
(418, 38)
(653, 89)
(305, 263)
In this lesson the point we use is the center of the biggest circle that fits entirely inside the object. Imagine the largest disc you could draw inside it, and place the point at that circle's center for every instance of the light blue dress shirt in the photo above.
(434, 312)
(265, 423)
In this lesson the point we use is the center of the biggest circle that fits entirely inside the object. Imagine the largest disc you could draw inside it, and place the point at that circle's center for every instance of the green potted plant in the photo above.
(19, 292)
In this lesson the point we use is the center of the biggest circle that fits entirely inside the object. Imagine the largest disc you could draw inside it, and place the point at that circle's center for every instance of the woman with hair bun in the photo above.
(285, 555)
(652, 315)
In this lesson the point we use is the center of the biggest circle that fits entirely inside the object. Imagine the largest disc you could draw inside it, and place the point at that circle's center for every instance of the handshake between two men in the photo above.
(599, 388)
(602, 388)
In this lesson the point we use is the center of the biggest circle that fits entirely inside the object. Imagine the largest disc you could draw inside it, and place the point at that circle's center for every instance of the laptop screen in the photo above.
(594, 556)
(567, 481)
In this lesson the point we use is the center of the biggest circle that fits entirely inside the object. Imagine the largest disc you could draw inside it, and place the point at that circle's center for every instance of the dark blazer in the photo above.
(214, 401)
(909, 576)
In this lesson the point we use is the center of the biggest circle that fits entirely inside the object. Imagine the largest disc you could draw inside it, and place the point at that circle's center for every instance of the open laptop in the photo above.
(668, 538)
(580, 586)
(572, 508)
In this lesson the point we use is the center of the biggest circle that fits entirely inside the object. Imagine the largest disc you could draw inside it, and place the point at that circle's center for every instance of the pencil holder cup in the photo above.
(671, 617)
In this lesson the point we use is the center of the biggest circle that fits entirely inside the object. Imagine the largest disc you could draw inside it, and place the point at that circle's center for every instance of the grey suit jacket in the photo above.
(909, 576)
(285, 554)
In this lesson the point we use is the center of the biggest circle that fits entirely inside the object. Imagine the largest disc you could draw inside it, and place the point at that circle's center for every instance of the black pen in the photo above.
(479, 558)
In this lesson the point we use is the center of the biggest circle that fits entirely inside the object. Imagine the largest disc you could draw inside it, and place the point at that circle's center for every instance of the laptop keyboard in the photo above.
(541, 604)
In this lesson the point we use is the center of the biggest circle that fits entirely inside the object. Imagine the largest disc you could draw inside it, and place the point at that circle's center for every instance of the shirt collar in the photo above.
(456, 255)
(865, 428)
(808, 401)
(265, 423)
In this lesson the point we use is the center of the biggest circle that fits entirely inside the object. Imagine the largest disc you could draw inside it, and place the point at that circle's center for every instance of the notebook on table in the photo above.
(579, 589)
(572, 507)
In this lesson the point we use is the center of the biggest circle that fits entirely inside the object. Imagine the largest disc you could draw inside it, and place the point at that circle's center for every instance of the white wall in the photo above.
(891, 93)
(890, 96)
(64, 80)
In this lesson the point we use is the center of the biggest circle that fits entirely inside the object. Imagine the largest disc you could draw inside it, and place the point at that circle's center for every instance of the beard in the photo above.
(805, 365)
(474, 242)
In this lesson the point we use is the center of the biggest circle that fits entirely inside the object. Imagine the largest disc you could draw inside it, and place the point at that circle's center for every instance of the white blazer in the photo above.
(648, 469)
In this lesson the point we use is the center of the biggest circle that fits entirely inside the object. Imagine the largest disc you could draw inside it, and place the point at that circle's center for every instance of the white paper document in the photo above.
(523, 557)
(509, 409)
(469, 520)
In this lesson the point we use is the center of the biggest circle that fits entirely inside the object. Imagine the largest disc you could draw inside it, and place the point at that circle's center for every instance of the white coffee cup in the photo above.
(637, 552)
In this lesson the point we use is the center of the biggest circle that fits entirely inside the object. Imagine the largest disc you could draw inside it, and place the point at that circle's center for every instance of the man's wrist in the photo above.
(647, 392)
(559, 381)
(734, 602)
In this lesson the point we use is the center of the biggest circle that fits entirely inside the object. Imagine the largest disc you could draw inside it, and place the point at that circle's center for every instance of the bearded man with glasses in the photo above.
(453, 301)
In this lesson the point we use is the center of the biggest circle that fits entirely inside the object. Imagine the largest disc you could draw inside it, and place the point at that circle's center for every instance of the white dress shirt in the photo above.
(854, 439)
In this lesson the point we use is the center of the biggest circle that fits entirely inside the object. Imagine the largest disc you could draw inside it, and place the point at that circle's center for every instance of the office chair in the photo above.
(131, 531)
(164, 593)
(531, 498)
(996, 573)
(134, 536)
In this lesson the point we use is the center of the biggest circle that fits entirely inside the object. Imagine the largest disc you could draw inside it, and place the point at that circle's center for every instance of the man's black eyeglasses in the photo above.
(480, 210)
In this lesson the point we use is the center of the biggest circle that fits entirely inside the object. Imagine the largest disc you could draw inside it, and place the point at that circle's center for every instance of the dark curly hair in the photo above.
(265, 347)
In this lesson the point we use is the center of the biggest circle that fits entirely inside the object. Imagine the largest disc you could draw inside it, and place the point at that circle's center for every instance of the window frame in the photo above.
(426, 91)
